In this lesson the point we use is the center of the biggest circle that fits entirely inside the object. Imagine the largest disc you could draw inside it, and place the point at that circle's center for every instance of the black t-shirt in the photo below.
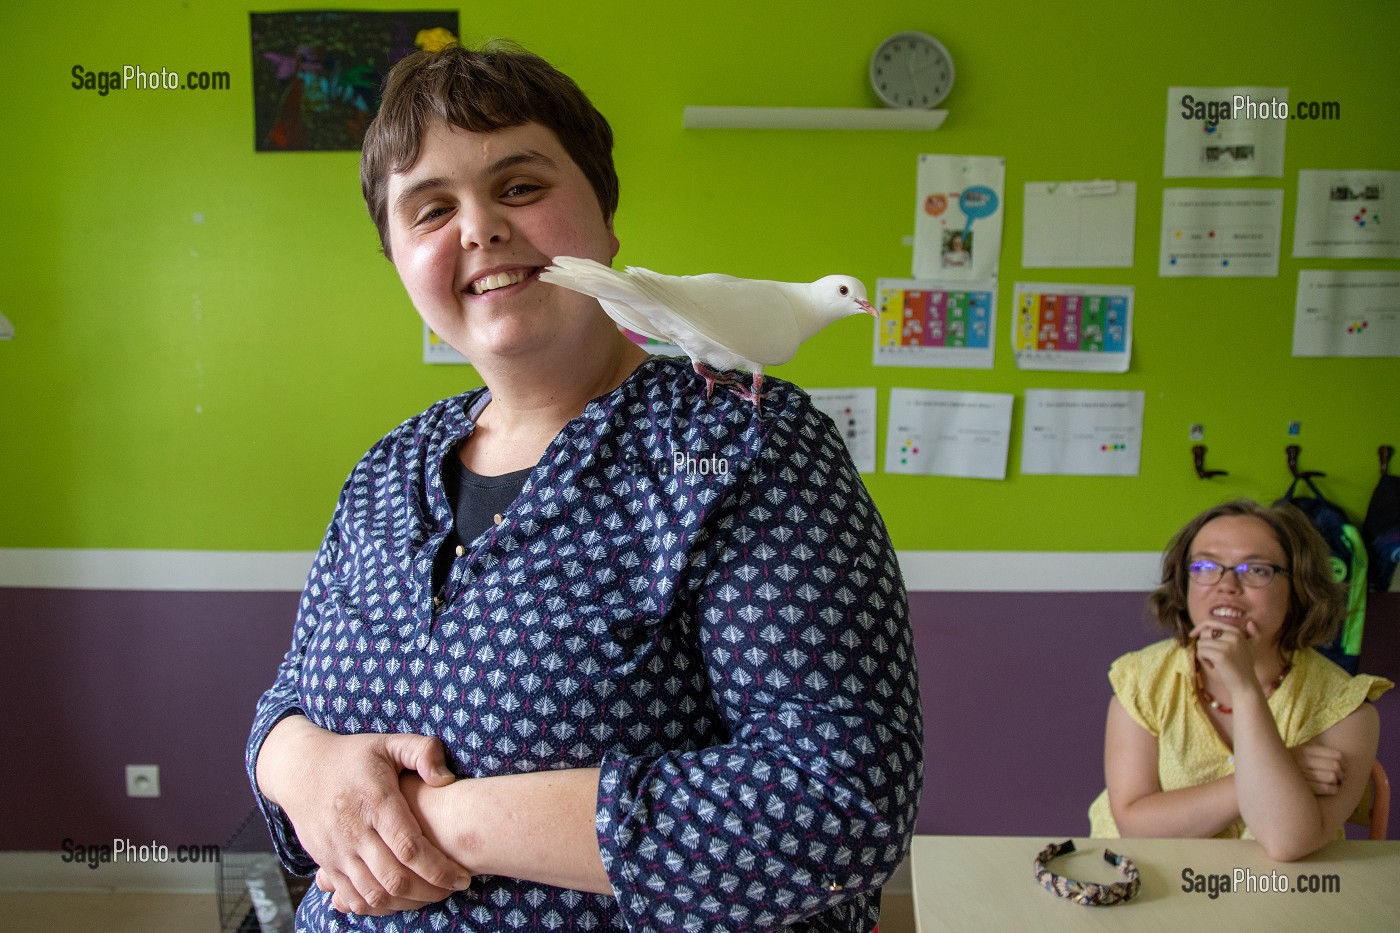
(477, 500)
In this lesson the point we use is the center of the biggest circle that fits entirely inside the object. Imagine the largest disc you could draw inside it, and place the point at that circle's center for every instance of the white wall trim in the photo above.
(1030, 571)
(224, 571)
(285, 571)
(46, 871)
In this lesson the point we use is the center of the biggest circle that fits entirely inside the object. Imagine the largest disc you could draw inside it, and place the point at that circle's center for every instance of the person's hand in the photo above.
(1321, 767)
(1228, 650)
(341, 793)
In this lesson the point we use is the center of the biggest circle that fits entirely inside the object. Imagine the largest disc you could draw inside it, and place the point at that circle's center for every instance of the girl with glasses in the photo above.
(1235, 727)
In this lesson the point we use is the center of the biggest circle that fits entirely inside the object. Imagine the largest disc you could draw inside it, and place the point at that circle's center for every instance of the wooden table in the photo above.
(988, 883)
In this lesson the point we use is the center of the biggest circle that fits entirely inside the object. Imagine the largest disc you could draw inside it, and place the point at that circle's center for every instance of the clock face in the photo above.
(911, 69)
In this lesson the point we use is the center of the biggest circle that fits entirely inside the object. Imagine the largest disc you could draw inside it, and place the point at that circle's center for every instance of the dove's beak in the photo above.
(867, 307)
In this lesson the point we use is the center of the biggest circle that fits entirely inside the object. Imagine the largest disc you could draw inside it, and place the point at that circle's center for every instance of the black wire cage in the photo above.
(256, 895)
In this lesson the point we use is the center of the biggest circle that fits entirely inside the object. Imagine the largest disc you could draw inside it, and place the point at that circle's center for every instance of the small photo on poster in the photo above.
(958, 217)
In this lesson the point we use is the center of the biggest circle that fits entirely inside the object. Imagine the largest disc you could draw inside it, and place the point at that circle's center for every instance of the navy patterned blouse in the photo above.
(700, 600)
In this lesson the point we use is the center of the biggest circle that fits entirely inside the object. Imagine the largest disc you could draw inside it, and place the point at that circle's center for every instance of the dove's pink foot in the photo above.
(712, 378)
(755, 397)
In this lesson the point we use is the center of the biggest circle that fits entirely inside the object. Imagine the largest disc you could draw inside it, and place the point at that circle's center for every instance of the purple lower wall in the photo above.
(1014, 690)
(98, 680)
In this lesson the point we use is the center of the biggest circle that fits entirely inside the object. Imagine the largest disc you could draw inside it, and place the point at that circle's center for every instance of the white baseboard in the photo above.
(46, 871)
(285, 571)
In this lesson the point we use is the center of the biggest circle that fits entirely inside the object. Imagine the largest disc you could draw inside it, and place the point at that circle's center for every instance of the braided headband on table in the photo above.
(1087, 892)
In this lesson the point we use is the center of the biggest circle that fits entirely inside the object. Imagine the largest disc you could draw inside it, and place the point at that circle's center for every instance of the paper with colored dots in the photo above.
(1221, 232)
(938, 433)
(853, 412)
(1082, 432)
(1347, 313)
(1347, 215)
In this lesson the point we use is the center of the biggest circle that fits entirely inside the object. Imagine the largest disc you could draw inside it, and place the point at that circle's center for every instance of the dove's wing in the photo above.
(751, 319)
(721, 320)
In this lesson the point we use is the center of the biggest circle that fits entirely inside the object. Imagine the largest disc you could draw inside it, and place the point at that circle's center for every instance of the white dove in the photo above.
(720, 321)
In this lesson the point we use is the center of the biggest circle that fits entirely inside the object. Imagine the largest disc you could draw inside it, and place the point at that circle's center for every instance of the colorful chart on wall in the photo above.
(1080, 328)
(317, 73)
(651, 344)
(935, 323)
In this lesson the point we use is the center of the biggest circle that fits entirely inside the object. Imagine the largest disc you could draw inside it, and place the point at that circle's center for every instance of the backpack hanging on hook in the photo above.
(1382, 527)
(1349, 563)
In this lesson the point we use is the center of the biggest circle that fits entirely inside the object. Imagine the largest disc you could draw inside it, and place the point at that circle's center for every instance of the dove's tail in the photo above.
(615, 291)
(589, 277)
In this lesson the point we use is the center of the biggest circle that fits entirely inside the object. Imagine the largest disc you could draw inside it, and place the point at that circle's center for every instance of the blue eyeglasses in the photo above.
(1209, 572)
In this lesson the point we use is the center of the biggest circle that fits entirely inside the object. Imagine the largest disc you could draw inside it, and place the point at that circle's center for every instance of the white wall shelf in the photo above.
(811, 118)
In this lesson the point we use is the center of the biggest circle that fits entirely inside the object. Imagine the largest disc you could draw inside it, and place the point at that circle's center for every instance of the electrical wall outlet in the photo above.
(143, 780)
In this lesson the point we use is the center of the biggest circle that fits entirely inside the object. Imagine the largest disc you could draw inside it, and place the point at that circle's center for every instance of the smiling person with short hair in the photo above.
(541, 679)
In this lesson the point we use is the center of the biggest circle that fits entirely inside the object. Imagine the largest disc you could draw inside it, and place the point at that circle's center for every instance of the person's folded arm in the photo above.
(1282, 810)
(538, 826)
(1140, 807)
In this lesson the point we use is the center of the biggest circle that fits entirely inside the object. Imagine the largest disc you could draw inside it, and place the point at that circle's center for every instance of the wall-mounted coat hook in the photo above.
(1386, 452)
(1293, 450)
(1198, 453)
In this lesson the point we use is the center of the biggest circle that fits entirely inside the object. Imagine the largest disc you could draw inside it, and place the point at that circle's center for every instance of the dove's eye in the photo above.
(845, 291)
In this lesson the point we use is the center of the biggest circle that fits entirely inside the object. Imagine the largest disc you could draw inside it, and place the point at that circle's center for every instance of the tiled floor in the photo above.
(24, 912)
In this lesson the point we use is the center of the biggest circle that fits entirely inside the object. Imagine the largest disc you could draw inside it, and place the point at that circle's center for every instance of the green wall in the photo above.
(208, 337)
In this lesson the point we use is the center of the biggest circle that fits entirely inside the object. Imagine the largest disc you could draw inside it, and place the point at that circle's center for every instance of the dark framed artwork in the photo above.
(317, 73)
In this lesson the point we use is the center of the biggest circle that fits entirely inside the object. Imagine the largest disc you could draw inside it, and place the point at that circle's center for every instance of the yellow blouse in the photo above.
(1157, 687)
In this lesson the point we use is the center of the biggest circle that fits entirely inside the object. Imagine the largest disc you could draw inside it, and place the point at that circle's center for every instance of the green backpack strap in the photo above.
(1350, 640)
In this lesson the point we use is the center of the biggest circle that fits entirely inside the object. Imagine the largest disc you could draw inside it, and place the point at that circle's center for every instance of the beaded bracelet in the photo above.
(1087, 893)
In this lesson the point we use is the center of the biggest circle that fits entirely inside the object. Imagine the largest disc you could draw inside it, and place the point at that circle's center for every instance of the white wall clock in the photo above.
(911, 70)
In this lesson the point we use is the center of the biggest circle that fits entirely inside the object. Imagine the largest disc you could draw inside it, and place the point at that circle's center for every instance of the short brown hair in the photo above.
(480, 91)
(1316, 602)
